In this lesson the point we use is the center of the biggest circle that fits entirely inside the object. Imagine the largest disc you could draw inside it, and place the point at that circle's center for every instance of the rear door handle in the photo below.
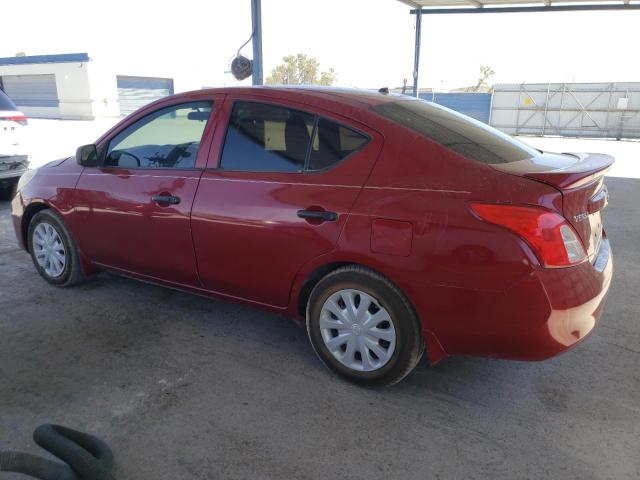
(170, 199)
(318, 215)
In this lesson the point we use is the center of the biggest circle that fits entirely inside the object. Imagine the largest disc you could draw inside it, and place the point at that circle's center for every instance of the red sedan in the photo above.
(391, 225)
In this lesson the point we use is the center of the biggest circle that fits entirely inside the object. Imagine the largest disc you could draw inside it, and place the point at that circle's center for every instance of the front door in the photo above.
(278, 197)
(133, 210)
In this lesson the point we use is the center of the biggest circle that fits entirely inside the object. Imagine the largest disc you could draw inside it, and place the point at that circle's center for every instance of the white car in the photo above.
(14, 160)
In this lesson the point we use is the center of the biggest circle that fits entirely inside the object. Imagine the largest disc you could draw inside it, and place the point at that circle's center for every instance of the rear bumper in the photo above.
(539, 317)
(576, 300)
(13, 166)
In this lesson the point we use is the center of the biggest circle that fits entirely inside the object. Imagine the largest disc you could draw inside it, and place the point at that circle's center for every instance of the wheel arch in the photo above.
(29, 212)
(320, 271)
(435, 350)
(311, 280)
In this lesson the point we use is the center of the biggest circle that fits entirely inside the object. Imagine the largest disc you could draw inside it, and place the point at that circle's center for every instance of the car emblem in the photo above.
(581, 216)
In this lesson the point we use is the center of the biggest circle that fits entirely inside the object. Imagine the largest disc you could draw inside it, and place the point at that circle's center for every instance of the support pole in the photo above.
(416, 58)
(256, 21)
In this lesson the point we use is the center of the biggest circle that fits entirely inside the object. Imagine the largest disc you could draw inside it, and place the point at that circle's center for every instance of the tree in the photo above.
(300, 69)
(486, 72)
(21, 54)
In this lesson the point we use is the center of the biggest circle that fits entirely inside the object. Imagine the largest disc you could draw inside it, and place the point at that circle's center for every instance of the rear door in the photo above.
(133, 210)
(276, 194)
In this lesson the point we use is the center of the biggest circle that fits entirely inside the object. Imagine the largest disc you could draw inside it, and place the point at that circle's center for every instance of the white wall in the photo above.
(103, 89)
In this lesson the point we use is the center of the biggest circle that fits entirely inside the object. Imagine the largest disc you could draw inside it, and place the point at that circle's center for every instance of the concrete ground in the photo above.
(188, 388)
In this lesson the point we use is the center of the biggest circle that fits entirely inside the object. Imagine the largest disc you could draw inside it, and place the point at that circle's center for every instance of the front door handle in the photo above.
(318, 215)
(164, 198)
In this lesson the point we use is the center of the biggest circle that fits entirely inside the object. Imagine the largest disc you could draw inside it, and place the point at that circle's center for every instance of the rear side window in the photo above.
(332, 142)
(468, 137)
(5, 102)
(266, 138)
(271, 138)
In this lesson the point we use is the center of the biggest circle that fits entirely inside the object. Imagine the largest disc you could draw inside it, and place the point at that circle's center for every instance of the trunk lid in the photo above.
(580, 179)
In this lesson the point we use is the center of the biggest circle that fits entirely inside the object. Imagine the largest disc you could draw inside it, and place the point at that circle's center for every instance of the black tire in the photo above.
(7, 190)
(409, 345)
(72, 273)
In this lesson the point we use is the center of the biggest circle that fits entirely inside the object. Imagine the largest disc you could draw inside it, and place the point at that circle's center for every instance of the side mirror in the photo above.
(87, 155)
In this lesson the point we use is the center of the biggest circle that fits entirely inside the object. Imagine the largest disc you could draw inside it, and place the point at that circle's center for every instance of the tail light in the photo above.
(552, 239)
(21, 119)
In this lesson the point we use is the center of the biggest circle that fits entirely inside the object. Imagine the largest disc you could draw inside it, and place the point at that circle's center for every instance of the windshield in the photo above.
(460, 133)
(5, 102)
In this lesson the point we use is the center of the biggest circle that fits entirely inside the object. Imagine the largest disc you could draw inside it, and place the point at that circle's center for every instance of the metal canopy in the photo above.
(443, 7)
(519, 5)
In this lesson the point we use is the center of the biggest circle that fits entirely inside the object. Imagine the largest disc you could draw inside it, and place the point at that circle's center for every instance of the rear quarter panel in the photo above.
(458, 267)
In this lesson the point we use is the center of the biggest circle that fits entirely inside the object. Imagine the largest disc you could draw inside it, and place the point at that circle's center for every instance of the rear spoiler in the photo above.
(589, 167)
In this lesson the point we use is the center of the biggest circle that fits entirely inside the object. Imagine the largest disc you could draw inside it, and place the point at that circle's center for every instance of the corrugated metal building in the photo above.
(135, 92)
(475, 105)
(602, 110)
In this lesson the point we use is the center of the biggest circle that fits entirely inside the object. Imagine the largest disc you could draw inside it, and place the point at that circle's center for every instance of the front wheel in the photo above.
(363, 328)
(53, 250)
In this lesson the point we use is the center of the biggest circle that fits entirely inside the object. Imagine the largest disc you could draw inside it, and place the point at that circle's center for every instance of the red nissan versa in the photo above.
(389, 224)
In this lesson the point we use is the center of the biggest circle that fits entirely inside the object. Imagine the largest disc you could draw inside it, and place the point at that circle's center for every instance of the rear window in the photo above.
(6, 103)
(464, 135)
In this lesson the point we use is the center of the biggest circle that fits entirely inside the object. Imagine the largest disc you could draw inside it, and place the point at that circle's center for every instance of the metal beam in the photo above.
(523, 9)
(256, 21)
(416, 57)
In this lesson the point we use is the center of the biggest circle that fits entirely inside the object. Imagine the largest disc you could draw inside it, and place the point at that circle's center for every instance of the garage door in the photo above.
(35, 95)
(136, 92)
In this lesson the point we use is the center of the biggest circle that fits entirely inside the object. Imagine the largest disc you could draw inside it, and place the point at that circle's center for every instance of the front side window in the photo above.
(462, 134)
(266, 138)
(167, 138)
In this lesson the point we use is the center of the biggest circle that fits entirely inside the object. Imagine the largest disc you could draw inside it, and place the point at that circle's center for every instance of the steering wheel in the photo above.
(124, 152)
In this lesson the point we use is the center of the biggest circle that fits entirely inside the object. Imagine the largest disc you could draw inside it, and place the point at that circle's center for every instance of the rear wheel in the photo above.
(363, 328)
(53, 250)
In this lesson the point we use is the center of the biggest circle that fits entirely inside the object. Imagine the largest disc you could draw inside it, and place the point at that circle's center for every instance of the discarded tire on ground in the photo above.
(86, 457)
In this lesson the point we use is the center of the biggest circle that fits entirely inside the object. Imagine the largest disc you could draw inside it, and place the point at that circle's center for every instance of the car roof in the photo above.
(354, 97)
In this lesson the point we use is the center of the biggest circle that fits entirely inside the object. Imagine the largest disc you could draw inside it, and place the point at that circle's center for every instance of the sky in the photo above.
(368, 42)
